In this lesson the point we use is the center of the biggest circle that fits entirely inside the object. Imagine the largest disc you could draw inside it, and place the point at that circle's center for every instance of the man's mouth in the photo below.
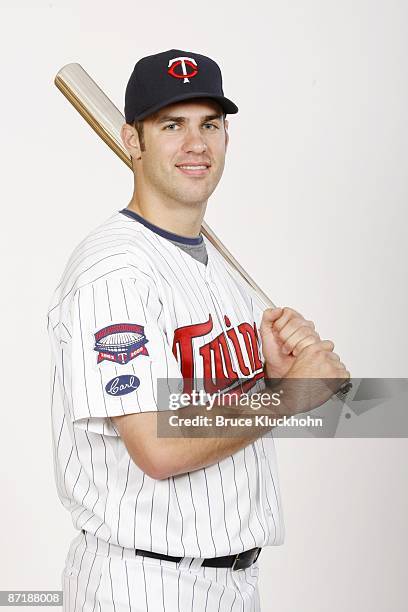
(194, 169)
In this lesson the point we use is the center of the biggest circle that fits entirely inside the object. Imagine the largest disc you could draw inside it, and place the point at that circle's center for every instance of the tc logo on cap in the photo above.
(182, 61)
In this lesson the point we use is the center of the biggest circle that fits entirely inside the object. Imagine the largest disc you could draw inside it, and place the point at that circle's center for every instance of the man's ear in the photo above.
(226, 124)
(130, 139)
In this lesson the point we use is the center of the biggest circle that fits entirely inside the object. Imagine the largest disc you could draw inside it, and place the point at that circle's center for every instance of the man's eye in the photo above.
(170, 126)
(211, 125)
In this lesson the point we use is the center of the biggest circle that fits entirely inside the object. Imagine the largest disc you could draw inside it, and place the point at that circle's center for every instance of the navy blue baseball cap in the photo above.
(171, 76)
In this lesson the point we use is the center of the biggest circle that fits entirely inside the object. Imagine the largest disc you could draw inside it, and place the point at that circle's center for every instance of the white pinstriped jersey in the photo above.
(133, 308)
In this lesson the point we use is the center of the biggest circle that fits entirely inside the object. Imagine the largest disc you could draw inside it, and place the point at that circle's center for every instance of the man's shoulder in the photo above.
(110, 243)
(117, 229)
(114, 248)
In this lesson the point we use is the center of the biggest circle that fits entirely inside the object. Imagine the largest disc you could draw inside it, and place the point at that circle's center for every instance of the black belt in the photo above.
(236, 562)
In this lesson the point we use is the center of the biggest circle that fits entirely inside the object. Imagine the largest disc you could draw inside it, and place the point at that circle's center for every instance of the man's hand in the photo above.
(284, 333)
(293, 350)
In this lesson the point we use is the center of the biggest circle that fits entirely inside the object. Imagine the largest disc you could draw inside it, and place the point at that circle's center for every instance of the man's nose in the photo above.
(194, 142)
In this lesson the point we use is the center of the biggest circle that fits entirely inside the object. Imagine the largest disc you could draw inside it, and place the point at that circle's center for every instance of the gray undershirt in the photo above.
(197, 251)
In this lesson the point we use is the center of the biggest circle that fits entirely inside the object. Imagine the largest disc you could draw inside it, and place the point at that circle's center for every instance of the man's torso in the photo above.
(206, 319)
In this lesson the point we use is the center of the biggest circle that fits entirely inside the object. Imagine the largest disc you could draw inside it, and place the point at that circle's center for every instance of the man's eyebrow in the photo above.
(211, 117)
(165, 118)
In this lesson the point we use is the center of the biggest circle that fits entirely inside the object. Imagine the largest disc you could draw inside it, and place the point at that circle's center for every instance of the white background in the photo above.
(312, 203)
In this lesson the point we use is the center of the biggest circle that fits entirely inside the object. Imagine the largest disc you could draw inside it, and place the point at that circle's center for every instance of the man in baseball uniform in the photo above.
(166, 523)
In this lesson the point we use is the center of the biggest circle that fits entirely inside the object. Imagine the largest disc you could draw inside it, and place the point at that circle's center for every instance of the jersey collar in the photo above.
(159, 230)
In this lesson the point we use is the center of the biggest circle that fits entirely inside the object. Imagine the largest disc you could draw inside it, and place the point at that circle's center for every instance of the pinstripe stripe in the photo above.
(122, 496)
(84, 380)
(151, 517)
(181, 515)
(209, 512)
(127, 584)
(79, 575)
(223, 508)
(237, 504)
(145, 587)
(195, 514)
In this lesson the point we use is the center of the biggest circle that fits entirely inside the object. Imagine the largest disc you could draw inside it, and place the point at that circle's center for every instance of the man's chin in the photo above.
(193, 199)
(195, 194)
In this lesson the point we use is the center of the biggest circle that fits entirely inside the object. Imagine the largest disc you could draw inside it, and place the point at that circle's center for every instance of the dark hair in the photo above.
(139, 126)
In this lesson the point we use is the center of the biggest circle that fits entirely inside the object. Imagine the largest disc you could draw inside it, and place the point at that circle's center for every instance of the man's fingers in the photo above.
(291, 327)
(337, 364)
(321, 345)
(340, 365)
(287, 314)
(344, 372)
(290, 323)
(299, 340)
(326, 345)
(269, 316)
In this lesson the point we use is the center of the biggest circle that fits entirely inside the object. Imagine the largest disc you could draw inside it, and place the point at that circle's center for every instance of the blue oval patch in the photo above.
(121, 385)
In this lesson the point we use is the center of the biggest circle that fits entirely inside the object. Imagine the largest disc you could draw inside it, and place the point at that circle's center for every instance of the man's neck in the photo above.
(175, 218)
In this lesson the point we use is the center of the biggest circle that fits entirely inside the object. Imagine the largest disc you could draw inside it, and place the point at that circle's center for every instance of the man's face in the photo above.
(185, 145)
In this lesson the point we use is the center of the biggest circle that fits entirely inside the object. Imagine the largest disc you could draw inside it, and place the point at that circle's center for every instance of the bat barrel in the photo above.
(94, 106)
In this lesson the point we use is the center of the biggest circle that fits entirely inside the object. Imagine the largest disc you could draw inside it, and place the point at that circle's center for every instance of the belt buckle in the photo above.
(256, 553)
(233, 567)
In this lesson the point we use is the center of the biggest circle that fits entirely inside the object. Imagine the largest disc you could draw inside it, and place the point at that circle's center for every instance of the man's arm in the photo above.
(161, 457)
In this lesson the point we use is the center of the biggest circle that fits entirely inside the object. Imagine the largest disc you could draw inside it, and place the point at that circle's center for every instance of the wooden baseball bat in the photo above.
(106, 119)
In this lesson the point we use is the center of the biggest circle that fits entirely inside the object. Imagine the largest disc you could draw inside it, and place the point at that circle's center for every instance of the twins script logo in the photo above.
(183, 62)
(216, 355)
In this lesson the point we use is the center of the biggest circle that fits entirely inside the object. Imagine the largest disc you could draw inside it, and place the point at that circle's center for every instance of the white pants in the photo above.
(101, 577)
